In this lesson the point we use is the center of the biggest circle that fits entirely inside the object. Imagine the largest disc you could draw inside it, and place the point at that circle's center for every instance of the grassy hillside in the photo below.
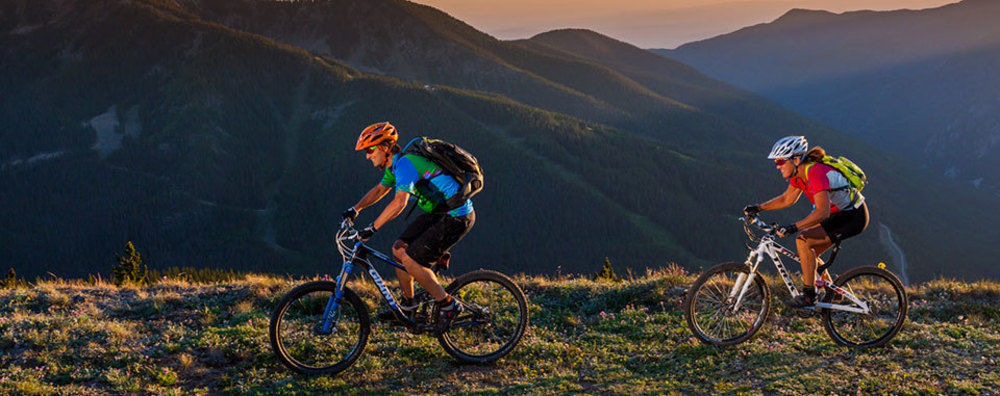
(177, 337)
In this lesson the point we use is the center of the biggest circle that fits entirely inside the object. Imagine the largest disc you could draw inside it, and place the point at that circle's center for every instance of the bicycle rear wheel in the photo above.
(493, 321)
(886, 298)
(298, 339)
(709, 308)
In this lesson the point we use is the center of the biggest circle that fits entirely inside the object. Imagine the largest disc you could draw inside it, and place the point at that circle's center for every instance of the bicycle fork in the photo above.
(743, 281)
(332, 310)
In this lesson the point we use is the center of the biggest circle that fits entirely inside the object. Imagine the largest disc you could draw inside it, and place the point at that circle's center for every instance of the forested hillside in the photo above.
(210, 146)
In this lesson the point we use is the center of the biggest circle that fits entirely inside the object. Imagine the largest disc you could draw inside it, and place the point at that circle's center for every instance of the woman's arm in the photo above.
(788, 198)
(820, 213)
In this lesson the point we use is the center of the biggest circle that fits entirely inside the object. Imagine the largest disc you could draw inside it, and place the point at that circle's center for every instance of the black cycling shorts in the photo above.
(431, 235)
(843, 225)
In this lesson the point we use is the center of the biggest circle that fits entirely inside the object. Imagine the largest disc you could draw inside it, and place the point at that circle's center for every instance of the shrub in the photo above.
(12, 280)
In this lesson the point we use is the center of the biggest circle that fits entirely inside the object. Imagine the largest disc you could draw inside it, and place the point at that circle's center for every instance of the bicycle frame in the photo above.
(359, 254)
(768, 247)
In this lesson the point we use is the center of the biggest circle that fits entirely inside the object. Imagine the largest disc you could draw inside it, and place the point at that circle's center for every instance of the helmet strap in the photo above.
(802, 159)
(387, 162)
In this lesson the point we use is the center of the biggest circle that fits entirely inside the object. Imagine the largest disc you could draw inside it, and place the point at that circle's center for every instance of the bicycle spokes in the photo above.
(494, 317)
(317, 333)
(727, 305)
(885, 304)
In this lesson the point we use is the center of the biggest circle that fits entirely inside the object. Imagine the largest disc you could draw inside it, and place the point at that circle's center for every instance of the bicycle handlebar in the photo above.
(755, 221)
(345, 235)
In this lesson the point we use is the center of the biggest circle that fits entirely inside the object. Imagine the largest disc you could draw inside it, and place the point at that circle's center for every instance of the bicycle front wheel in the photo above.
(886, 298)
(493, 321)
(711, 307)
(298, 336)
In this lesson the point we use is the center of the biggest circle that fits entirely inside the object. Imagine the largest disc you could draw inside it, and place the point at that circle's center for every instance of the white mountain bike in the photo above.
(729, 303)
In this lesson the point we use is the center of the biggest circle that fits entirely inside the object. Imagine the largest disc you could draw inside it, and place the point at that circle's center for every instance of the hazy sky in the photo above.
(645, 23)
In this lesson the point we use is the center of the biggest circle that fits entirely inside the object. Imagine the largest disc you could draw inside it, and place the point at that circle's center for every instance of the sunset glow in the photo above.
(645, 23)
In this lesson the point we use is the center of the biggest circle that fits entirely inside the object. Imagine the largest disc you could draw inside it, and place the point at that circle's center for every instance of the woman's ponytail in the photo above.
(815, 154)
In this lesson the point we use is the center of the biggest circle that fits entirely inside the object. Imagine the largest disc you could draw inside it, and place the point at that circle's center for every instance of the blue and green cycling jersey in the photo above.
(425, 181)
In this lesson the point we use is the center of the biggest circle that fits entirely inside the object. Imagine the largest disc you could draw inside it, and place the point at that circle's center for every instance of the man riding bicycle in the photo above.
(429, 237)
(839, 209)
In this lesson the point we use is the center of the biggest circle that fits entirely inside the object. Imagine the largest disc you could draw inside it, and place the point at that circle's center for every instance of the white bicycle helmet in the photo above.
(789, 146)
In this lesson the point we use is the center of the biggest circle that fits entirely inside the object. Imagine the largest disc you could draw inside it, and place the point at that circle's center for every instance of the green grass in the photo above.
(178, 337)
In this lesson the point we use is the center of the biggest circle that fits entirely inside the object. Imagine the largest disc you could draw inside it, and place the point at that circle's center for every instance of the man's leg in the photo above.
(405, 280)
(418, 227)
(423, 275)
(430, 246)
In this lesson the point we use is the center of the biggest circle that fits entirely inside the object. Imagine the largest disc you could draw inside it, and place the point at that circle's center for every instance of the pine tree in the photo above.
(130, 268)
(607, 272)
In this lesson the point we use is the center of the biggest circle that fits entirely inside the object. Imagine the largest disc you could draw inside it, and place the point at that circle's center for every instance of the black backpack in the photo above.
(455, 161)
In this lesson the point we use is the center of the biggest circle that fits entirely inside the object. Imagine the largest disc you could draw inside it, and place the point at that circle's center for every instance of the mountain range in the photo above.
(220, 133)
(920, 83)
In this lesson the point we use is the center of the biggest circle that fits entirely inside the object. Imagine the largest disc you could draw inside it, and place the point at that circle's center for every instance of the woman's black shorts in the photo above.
(431, 235)
(843, 225)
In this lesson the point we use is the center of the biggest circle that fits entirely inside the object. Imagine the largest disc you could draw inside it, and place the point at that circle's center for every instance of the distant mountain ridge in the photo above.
(412, 41)
(919, 82)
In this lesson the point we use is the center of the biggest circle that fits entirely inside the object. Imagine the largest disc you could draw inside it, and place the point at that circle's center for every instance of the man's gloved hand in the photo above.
(787, 230)
(751, 210)
(350, 213)
(367, 232)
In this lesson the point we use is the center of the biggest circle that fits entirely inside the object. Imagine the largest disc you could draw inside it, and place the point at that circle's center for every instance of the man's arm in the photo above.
(394, 209)
(373, 196)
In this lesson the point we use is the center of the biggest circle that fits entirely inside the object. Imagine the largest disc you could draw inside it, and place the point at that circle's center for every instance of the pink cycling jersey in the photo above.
(823, 177)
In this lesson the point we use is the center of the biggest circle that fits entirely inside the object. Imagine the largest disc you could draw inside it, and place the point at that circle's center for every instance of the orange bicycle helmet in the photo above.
(376, 134)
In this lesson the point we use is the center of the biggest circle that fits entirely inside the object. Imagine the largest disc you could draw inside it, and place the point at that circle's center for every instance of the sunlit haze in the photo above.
(645, 23)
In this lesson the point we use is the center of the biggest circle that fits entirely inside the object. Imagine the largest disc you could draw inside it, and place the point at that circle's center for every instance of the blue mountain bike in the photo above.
(322, 327)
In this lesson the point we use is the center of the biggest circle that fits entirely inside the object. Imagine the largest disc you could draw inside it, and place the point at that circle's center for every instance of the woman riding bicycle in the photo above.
(839, 210)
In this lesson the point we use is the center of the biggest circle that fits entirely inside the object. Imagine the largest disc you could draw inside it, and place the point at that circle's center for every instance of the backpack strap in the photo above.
(805, 172)
(414, 140)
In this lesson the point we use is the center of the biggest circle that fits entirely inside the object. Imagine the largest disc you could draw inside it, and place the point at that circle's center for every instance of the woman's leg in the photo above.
(811, 243)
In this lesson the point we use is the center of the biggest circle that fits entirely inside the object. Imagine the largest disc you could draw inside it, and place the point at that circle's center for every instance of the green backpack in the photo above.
(851, 171)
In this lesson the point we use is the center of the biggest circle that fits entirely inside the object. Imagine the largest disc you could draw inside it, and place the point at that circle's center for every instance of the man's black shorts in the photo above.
(430, 235)
(843, 225)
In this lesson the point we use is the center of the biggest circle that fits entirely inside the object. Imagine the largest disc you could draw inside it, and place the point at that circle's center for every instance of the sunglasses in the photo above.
(371, 149)
(780, 162)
